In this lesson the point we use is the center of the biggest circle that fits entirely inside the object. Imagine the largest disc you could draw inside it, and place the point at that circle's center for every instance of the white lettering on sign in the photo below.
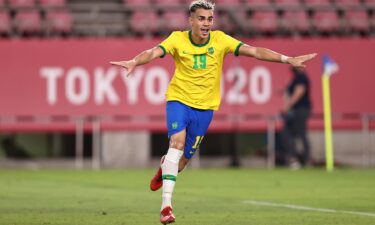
(78, 87)
(259, 85)
(132, 83)
(156, 83)
(51, 74)
(103, 86)
(237, 76)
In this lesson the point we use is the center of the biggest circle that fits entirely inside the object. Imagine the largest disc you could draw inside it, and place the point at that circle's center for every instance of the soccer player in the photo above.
(194, 91)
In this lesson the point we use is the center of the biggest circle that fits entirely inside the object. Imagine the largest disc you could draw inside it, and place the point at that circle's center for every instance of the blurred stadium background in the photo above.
(63, 105)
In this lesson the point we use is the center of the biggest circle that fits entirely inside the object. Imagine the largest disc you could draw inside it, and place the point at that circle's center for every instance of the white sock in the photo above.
(170, 171)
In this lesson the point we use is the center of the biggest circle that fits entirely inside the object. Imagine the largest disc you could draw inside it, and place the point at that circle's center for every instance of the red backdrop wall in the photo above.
(74, 78)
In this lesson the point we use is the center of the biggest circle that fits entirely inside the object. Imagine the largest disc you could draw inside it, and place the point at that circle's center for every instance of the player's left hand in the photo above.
(300, 60)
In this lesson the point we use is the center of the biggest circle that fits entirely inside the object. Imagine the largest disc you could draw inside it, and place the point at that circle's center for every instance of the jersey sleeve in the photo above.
(168, 45)
(231, 44)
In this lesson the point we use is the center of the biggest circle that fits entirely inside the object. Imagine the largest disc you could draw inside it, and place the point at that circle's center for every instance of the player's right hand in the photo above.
(128, 65)
(300, 60)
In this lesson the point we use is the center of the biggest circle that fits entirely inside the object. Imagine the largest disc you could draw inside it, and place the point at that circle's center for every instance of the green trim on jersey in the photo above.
(164, 51)
(196, 80)
(236, 52)
(199, 45)
(169, 177)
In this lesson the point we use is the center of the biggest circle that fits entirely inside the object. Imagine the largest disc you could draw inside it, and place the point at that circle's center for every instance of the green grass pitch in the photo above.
(206, 196)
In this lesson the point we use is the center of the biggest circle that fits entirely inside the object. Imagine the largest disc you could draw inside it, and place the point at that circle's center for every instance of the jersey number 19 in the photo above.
(202, 62)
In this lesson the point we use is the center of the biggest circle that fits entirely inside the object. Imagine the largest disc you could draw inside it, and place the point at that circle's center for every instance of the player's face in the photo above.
(201, 23)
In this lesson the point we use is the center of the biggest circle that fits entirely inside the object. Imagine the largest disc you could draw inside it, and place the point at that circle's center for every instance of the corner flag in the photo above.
(329, 68)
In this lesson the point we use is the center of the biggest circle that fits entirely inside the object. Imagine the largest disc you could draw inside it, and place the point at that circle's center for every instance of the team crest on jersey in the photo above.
(211, 50)
(174, 125)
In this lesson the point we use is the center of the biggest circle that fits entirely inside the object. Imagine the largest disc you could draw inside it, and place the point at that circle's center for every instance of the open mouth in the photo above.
(205, 31)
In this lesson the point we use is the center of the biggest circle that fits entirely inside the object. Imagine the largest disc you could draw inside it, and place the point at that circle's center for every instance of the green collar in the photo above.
(199, 45)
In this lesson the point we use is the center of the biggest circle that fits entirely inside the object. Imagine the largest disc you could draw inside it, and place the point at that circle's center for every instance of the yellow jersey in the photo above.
(196, 80)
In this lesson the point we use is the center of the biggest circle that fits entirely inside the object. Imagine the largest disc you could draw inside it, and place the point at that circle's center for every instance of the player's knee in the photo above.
(177, 143)
(177, 140)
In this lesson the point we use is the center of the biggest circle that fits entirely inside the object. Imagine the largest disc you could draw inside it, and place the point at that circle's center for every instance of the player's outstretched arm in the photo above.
(272, 56)
(143, 58)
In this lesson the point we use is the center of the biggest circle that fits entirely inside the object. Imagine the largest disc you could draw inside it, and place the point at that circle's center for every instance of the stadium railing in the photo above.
(271, 124)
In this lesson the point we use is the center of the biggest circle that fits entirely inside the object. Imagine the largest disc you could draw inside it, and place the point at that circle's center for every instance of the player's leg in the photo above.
(199, 122)
(176, 122)
(170, 166)
(183, 162)
(189, 139)
(195, 131)
(157, 181)
(169, 175)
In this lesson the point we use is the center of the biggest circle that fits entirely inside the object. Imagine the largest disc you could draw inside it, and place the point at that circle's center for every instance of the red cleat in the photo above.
(166, 215)
(157, 181)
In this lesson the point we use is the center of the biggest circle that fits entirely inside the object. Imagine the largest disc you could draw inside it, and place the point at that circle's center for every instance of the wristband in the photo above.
(284, 59)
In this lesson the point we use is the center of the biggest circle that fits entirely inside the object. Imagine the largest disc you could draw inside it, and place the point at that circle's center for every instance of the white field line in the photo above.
(306, 208)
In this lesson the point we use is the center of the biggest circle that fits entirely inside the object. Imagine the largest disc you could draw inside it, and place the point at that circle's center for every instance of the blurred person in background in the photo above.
(295, 114)
(194, 91)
